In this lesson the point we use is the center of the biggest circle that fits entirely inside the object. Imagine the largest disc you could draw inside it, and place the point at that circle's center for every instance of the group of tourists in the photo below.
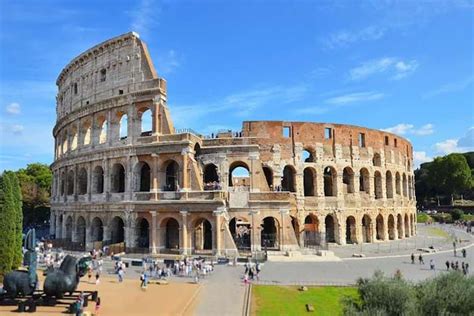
(252, 271)
(464, 225)
(455, 266)
(119, 269)
(212, 186)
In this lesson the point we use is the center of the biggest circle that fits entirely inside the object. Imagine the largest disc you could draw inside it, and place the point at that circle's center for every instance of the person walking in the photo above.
(466, 267)
(463, 252)
(412, 258)
(97, 277)
(420, 259)
(120, 274)
(447, 265)
(432, 264)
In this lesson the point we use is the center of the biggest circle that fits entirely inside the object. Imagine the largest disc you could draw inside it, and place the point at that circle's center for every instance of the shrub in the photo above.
(457, 214)
(443, 218)
(423, 218)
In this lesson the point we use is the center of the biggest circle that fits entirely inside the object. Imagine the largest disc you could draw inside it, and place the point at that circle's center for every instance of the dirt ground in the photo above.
(128, 298)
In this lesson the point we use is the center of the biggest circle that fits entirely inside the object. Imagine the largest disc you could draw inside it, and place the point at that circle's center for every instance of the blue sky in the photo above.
(404, 66)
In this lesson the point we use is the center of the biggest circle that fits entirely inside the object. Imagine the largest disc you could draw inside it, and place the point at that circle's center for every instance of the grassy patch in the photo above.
(287, 300)
(467, 217)
(436, 231)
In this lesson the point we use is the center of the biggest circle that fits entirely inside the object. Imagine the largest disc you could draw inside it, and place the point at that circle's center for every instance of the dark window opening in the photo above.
(361, 140)
(103, 75)
(386, 141)
(327, 133)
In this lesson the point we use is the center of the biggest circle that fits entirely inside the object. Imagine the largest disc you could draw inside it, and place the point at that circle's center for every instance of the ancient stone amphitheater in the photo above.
(124, 176)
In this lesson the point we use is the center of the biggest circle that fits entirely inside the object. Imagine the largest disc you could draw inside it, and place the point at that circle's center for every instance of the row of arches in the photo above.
(100, 130)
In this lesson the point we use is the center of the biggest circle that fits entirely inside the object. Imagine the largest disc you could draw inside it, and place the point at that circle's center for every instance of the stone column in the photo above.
(109, 139)
(185, 172)
(153, 241)
(284, 213)
(255, 242)
(89, 182)
(155, 175)
(185, 247)
(63, 228)
(341, 230)
(107, 235)
(75, 184)
(385, 228)
(218, 234)
(253, 157)
(107, 181)
(57, 227)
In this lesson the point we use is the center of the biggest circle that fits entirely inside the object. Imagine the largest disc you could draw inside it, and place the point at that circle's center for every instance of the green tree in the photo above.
(450, 174)
(7, 223)
(457, 214)
(18, 221)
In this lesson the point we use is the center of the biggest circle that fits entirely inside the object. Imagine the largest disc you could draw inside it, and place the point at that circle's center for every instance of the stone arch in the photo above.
(117, 230)
(210, 177)
(74, 138)
(364, 182)
(351, 232)
(330, 223)
(268, 172)
(389, 184)
(142, 234)
(171, 175)
(118, 178)
(309, 181)
(86, 133)
(102, 130)
(202, 234)
(288, 183)
(82, 181)
(330, 181)
(270, 233)
(405, 185)
(398, 185)
(377, 160)
(69, 224)
(407, 226)
(312, 236)
(378, 192)
(400, 226)
(98, 180)
(348, 180)
(142, 174)
(81, 230)
(366, 229)
(308, 155)
(145, 119)
(391, 227)
(240, 230)
(170, 229)
(70, 182)
(239, 174)
(122, 125)
(97, 229)
(379, 227)
(197, 151)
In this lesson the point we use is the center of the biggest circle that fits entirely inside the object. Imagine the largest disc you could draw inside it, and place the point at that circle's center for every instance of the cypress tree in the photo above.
(18, 222)
(7, 223)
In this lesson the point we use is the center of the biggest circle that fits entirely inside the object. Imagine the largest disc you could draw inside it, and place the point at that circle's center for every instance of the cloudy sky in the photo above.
(402, 66)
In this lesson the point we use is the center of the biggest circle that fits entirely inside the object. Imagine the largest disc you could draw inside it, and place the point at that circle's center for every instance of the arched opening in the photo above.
(240, 230)
(81, 231)
(364, 185)
(202, 235)
(330, 181)
(309, 179)
(69, 228)
(117, 230)
(379, 228)
(103, 132)
(351, 236)
(398, 184)
(82, 181)
(268, 172)
(391, 227)
(330, 228)
(142, 177)
(366, 228)
(348, 180)
(172, 176)
(143, 233)
(123, 127)
(405, 185)
(289, 179)
(171, 236)
(269, 234)
(146, 126)
(70, 182)
(118, 178)
(312, 237)
(86, 133)
(197, 151)
(407, 226)
(74, 140)
(378, 185)
(98, 180)
(211, 177)
(389, 184)
(377, 160)
(307, 156)
(400, 226)
(239, 175)
(97, 230)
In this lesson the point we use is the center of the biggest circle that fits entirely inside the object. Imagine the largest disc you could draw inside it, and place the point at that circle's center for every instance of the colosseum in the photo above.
(123, 175)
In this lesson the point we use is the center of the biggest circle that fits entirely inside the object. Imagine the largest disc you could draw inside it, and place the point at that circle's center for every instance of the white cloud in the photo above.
(451, 87)
(144, 17)
(355, 97)
(405, 129)
(13, 108)
(345, 38)
(167, 63)
(397, 68)
(459, 145)
(420, 157)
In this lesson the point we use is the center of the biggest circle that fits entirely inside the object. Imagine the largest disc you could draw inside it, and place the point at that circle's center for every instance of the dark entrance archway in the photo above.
(117, 230)
(81, 231)
(351, 230)
(330, 228)
(312, 236)
(366, 229)
(379, 227)
(391, 227)
(202, 235)
(143, 233)
(269, 234)
(172, 170)
(240, 230)
(97, 230)
(171, 234)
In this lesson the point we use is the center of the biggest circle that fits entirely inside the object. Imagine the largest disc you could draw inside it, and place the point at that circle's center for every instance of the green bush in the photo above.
(423, 218)
(457, 214)
(442, 218)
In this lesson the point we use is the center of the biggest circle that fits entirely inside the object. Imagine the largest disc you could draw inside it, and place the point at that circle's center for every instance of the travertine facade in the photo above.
(122, 173)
